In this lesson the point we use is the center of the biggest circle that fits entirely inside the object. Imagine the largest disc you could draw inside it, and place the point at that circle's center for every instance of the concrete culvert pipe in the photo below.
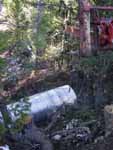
(43, 104)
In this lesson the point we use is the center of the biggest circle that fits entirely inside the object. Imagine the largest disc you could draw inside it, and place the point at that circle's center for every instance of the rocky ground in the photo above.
(69, 130)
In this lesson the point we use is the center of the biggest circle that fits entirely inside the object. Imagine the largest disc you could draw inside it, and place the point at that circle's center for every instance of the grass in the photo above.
(5, 40)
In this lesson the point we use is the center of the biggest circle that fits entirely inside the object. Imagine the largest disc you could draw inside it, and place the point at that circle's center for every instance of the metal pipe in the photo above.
(110, 8)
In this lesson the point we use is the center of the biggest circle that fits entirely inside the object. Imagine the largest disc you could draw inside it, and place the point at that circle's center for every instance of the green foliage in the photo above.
(86, 115)
(20, 111)
(49, 23)
(2, 130)
(2, 64)
(19, 124)
(18, 19)
(20, 107)
(96, 64)
(5, 40)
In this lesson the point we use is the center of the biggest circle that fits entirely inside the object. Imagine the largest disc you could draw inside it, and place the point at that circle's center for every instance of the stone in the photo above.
(108, 115)
(57, 137)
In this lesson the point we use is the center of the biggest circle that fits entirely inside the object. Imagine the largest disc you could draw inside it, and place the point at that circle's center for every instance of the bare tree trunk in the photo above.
(40, 12)
(85, 37)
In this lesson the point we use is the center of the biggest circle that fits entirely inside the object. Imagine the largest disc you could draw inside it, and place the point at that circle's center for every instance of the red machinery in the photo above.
(102, 27)
(105, 32)
(95, 32)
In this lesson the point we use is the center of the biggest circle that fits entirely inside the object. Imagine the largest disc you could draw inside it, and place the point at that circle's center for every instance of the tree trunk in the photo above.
(40, 12)
(84, 20)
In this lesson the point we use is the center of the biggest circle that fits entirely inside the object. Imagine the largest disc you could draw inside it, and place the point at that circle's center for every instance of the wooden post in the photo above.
(84, 20)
